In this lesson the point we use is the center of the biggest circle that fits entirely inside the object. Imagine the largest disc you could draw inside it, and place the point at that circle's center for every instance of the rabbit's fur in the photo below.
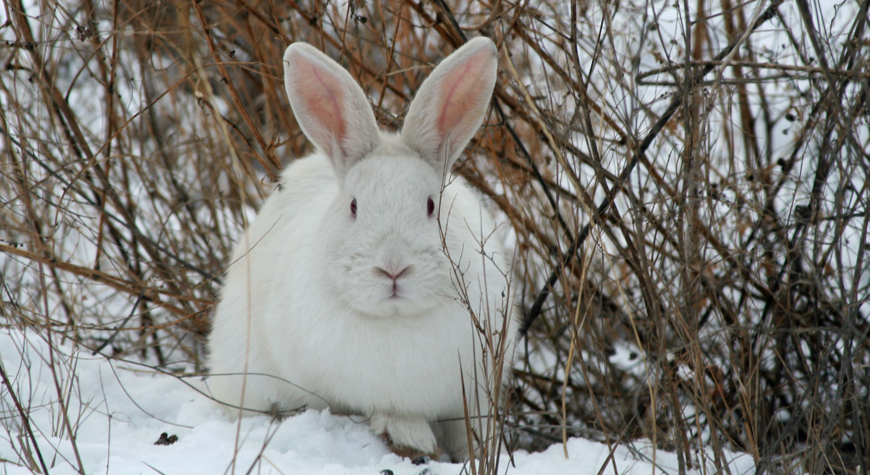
(341, 293)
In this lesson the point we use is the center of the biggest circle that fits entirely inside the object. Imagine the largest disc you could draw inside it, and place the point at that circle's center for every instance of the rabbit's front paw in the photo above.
(407, 437)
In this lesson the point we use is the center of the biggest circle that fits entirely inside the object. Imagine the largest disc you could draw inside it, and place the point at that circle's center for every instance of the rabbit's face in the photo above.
(382, 251)
(388, 252)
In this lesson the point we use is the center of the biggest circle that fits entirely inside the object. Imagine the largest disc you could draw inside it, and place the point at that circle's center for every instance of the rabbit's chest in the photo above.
(406, 367)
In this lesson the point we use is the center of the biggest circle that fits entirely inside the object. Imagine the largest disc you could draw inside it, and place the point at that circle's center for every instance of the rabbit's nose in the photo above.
(393, 274)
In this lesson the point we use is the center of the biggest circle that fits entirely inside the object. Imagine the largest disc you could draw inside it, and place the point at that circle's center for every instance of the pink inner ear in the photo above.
(460, 91)
(322, 96)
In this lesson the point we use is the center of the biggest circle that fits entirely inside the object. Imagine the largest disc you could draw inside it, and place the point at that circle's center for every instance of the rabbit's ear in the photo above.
(450, 105)
(329, 106)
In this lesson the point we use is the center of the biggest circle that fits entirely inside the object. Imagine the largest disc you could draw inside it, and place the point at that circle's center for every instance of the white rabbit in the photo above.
(342, 294)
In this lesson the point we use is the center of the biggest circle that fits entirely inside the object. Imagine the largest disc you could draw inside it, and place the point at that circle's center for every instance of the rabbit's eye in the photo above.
(353, 207)
(430, 207)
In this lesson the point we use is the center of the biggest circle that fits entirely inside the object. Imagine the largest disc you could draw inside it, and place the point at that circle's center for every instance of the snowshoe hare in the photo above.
(358, 285)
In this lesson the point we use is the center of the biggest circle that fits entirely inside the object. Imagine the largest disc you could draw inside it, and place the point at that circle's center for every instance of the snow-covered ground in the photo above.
(118, 410)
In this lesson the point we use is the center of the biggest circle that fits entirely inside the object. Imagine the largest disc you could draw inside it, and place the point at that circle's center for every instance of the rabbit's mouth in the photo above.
(394, 289)
(392, 293)
(395, 293)
(397, 301)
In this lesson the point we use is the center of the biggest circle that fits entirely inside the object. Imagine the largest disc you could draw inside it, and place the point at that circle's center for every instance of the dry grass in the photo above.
(686, 188)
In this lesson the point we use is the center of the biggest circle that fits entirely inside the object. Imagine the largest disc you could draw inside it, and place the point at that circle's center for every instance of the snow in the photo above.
(119, 409)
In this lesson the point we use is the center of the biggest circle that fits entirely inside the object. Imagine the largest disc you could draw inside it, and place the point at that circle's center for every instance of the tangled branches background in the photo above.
(685, 187)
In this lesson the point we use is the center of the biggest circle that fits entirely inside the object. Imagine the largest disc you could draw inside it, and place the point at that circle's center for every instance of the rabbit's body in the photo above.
(405, 362)
(349, 294)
